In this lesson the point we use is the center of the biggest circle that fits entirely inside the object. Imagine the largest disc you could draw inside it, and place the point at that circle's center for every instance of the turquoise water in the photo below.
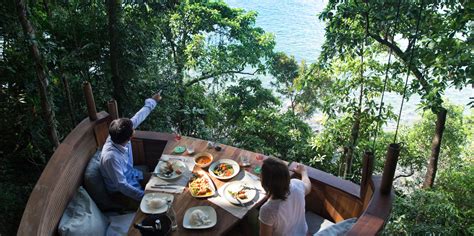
(295, 24)
(299, 32)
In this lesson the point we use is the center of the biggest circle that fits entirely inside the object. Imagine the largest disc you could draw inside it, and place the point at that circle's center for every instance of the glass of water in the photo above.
(244, 161)
(172, 215)
(190, 149)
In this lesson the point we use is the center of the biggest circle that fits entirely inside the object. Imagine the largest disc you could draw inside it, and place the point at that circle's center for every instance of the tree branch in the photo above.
(207, 76)
(412, 172)
(400, 54)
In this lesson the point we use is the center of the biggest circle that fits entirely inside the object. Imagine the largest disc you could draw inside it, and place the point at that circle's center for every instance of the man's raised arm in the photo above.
(141, 115)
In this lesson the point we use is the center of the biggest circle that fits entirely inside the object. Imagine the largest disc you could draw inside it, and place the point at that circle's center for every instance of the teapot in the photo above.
(155, 225)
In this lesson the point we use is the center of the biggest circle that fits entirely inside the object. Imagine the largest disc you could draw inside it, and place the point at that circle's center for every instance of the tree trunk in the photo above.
(181, 102)
(435, 149)
(113, 7)
(67, 93)
(41, 75)
(342, 162)
(355, 126)
(350, 149)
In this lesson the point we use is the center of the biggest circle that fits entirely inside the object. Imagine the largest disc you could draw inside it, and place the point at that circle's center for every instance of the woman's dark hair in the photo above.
(275, 178)
(121, 130)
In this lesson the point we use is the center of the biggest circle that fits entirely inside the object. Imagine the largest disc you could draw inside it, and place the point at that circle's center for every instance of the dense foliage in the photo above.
(206, 57)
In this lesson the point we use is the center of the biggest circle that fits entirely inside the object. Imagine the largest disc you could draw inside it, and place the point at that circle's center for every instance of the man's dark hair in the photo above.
(275, 178)
(121, 130)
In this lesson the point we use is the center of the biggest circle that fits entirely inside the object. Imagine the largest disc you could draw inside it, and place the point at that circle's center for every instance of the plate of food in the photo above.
(239, 192)
(170, 169)
(224, 169)
(200, 217)
(155, 203)
(201, 185)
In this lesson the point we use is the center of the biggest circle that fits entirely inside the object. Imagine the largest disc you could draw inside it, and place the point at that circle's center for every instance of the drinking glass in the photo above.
(244, 161)
(258, 168)
(172, 215)
(190, 149)
(177, 135)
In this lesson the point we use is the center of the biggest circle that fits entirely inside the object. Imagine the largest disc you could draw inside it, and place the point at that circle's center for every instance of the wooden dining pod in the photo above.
(331, 197)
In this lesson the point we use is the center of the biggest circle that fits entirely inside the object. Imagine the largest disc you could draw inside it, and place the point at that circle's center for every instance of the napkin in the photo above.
(237, 210)
(180, 183)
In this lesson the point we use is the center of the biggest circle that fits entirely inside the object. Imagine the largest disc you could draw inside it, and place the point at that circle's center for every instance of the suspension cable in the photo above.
(395, 23)
(408, 69)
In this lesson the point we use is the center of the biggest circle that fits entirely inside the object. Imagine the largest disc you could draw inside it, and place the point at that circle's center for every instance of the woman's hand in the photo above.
(300, 169)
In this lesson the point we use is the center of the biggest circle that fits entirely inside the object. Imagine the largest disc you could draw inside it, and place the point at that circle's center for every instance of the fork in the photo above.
(252, 188)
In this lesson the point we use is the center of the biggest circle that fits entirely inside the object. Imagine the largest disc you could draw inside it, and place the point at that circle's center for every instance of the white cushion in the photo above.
(82, 217)
(338, 229)
(316, 223)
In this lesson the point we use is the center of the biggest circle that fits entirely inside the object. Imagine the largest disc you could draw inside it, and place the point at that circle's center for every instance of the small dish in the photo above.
(207, 210)
(215, 167)
(145, 203)
(250, 192)
(179, 149)
(178, 169)
(203, 159)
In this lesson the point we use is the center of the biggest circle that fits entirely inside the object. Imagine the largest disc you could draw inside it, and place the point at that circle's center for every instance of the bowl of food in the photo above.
(203, 159)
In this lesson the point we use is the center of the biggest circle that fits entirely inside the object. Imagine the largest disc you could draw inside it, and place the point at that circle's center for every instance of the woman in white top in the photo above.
(284, 212)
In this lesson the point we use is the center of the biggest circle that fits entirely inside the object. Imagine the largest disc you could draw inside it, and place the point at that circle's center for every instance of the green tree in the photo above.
(437, 55)
(251, 120)
(349, 99)
(209, 40)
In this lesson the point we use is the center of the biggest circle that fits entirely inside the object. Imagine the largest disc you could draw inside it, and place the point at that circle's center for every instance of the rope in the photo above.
(408, 70)
(362, 58)
(395, 23)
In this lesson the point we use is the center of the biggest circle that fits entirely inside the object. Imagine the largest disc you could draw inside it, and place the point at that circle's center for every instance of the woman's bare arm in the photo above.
(301, 169)
(265, 230)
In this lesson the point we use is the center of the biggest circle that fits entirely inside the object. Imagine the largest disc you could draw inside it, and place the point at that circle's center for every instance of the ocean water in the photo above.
(299, 33)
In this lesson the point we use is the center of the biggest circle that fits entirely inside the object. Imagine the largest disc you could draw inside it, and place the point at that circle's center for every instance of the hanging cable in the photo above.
(408, 70)
(395, 23)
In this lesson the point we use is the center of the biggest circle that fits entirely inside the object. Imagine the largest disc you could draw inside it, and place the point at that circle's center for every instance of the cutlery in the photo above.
(251, 188)
(158, 185)
(165, 187)
(240, 203)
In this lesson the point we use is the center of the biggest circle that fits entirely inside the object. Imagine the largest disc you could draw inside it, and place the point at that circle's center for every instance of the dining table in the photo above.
(183, 201)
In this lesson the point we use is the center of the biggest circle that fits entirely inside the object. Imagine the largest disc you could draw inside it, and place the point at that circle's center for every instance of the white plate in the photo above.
(176, 164)
(236, 186)
(209, 181)
(209, 211)
(148, 210)
(234, 164)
